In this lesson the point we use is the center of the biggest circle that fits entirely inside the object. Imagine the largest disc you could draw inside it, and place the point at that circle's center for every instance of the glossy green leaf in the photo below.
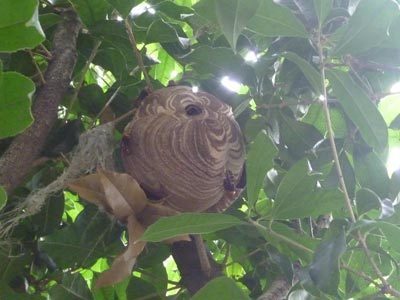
(324, 270)
(274, 20)
(123, 6)
(91, 99)
(233, 16)
(16, 92)
(312, 75)
(19, 25)
(140, 288)
(392, 233)
(299, 137)
(220, 288)
(285, 238)
(366, 28)
(90, 237)
(6, 292)
(160, 32)
(259, 160)
(360, 109)
(322, 9)
(72, 287)
(366, 200)
(188, 223)
(312, 204)
(220, 61)
(298, 181)
(164, 70)
(395, 124)
(315, 116)
(3, 197)
(91, 11)
(371, 173)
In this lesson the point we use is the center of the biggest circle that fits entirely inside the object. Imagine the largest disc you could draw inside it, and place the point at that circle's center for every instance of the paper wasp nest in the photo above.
(185, 149)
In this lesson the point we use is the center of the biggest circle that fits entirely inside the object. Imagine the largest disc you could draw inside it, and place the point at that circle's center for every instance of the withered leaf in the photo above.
(121, 187)
(123, 263)
(90, 188)
(118, 193)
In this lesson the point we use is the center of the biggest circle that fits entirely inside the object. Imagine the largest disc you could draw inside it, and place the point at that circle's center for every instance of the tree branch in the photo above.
(189, 265)
(17, 161)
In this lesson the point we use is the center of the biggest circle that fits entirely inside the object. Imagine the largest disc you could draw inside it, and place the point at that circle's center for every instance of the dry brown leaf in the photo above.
(127, 187)
(118, 204)
(90, 188)
(123, 264)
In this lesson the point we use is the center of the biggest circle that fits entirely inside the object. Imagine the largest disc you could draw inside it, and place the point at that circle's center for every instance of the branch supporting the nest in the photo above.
(279, 289)
(17, 161)
(138, 55)
(189, 266)
(203, 257)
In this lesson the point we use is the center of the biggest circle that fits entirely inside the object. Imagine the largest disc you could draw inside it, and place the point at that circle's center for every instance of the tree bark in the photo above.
(17, 161)
(189, 266)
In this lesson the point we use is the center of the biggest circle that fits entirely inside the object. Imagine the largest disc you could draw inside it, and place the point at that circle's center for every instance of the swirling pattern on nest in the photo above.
(181, 146)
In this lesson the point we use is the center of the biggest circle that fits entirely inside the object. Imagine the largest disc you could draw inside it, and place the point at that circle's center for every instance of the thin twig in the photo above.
(43, 81)
(385, 285)
(281, 237)
(361, 274)
(331, 134)
(203, 257)
(138, 55)
(124, 116)
(107, 104)
(46, 51)
(82, 78)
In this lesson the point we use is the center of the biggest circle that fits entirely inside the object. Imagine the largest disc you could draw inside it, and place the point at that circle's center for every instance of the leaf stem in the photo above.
(331, 135)
(138, 55)
(82, 77)
(281, 237)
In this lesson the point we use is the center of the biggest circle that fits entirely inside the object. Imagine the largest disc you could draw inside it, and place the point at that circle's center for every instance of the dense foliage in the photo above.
(296, 72)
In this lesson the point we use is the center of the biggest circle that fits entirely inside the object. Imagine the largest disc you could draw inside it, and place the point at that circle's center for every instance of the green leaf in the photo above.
(91, 99)
(163, 71)
(392, 233)
(72, 287)
(299, 137)
(366, 200)
(90, 237)
(322, 9)
(91, 11)
(3, 197)
(161, 32)
(233, 16)
(360, 109)
(49, 217)
(371, 173)
(219, 61)
(19, 25)
(290, 242)
(220, 288)
(16, 92)
(324, 270)
(366, 28)
(395, 124)
(140, 288)
(122, 6)
(314, 204)
(312, 75)
(274, 20)
(259, 160)
(188, 223)
(297, 181)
